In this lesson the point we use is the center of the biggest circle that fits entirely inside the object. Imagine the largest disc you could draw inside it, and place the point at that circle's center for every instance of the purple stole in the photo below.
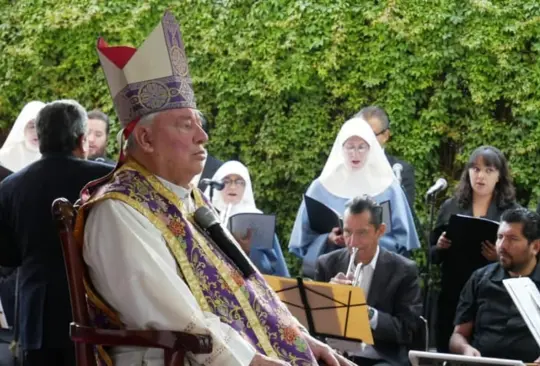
(249, 306)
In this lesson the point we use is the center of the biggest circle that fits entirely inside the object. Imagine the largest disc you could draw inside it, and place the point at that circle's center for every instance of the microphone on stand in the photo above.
(440, 185)
(215, 184)
(207, 220)
(397, 168)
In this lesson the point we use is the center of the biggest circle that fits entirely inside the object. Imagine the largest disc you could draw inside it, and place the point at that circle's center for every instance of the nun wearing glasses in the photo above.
(237, 197)
(356, 166)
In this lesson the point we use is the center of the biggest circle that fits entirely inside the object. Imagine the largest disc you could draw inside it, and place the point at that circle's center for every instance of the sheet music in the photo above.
(3, 321)
(526, 297)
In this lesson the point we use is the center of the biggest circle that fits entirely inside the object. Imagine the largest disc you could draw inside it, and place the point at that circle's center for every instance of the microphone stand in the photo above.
(430, 200)
(211, 193)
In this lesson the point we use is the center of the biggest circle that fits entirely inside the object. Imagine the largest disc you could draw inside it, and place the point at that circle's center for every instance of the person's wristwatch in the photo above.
(370, 312)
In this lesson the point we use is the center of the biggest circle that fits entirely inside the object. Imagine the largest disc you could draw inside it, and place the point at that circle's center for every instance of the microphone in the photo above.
(397, 168)
(207, 220)
(440, 185)
(216, 184)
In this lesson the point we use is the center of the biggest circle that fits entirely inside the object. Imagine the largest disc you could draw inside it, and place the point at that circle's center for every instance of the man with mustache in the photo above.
(488, 324)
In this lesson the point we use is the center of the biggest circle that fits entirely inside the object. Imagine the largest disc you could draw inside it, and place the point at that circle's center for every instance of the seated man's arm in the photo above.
(131, 267)
(464, 321)
(459, 342)
(400, 326)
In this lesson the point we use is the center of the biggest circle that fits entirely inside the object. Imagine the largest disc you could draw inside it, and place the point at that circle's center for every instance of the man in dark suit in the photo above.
(390, 281)
(7, 297)
(4, 172)
(212, 164)
(377, 118)
(29, 238)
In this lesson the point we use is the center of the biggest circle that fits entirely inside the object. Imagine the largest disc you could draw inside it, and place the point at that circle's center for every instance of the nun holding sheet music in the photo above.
(356, 166)
(255, 232)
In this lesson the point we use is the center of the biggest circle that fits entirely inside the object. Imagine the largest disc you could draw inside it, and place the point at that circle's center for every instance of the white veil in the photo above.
(372, 179)
(15, 153)
(247, 203)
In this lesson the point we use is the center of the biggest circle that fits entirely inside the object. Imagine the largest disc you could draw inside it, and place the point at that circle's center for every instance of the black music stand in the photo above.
(326, 310)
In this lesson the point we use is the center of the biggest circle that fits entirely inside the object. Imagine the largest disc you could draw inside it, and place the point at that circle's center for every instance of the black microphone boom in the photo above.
(218, 185)
(207, 220)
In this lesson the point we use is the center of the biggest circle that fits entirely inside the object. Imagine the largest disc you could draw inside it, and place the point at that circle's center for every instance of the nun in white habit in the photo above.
(21, 147)
(356, 166)
(237, 197)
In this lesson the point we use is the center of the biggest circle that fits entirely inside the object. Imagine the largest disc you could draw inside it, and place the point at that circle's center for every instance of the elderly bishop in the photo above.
(149, 264)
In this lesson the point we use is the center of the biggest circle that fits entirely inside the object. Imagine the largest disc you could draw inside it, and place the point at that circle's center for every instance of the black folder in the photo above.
(322, 219)
(467, 234)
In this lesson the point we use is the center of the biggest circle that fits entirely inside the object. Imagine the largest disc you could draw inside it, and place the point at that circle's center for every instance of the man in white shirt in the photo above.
(150, 265)
(389, 280)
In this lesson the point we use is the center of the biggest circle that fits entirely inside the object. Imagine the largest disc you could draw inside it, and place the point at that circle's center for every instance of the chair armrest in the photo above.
(425, 324)
(195, 343)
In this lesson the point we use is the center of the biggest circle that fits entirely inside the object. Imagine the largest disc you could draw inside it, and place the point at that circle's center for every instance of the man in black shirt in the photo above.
(486, 315)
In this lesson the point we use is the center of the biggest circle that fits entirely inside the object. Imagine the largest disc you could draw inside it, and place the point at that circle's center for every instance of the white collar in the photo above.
(183, 193)
(373, 262)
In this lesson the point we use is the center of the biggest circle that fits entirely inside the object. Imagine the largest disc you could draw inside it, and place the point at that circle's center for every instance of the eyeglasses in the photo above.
(360, 148)
(381, 132)
(238, 182)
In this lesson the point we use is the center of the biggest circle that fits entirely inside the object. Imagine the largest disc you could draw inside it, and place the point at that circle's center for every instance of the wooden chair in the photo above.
(175, 344)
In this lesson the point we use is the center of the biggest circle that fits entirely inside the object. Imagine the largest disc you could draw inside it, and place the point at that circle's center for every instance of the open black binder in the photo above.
(322, 219)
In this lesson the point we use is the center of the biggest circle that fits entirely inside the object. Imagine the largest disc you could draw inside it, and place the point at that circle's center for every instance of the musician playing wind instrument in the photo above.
(356, 166)
(389, 281)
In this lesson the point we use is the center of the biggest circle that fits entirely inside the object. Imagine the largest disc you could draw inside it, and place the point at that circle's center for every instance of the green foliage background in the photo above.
(277, 78)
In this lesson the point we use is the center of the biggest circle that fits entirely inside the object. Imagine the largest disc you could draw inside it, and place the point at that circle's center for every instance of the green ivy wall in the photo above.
(278, 78)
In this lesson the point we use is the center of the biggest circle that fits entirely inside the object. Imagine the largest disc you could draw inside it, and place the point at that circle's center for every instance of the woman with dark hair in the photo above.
(485, 190)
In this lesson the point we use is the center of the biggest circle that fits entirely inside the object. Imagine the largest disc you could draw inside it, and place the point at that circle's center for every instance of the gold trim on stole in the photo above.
(251, 316)
(78, 234)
